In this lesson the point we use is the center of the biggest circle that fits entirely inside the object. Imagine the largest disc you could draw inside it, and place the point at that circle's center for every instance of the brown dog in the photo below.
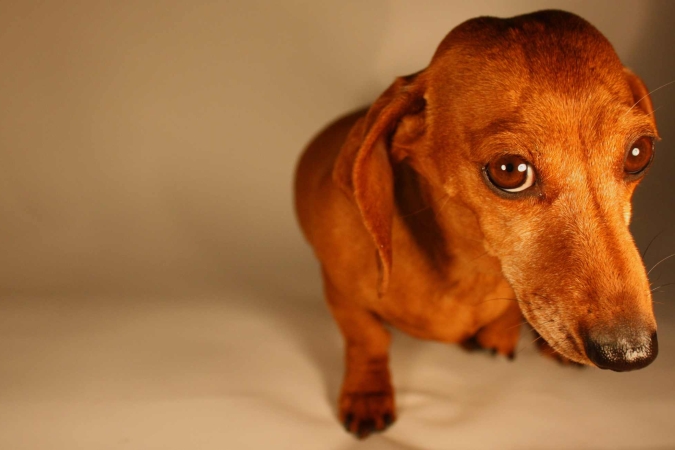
(496, 182)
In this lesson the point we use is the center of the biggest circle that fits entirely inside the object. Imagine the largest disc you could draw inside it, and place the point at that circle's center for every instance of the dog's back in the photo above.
(313, 179)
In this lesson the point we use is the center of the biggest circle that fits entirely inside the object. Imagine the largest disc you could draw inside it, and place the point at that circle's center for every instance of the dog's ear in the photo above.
(363, 168)
(640, 94)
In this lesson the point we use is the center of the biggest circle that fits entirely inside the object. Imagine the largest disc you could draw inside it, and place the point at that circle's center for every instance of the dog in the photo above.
(492, 187)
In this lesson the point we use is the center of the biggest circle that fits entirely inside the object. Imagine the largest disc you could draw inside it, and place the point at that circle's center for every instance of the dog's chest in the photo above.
(448, 311)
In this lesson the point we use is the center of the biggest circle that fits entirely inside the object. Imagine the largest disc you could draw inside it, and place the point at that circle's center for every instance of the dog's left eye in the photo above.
(639, 155)
(510, 173)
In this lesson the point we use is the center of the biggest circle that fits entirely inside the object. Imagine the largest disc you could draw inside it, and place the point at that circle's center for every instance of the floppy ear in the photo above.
(640, 94)
(363, 167)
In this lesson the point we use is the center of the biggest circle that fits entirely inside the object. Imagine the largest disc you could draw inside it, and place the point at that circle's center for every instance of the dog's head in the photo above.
(533, 126)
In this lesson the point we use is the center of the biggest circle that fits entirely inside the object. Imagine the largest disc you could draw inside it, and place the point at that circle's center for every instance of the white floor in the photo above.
(260, 369)
(148, 147)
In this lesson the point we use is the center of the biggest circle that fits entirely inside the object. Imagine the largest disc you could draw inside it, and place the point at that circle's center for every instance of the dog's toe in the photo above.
(494, 348)
(364, 413)
(366, 427)
(471, 344)
(347, 422)
(388, 420)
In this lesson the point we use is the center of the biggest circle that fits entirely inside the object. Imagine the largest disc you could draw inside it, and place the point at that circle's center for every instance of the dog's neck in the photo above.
(446, 232)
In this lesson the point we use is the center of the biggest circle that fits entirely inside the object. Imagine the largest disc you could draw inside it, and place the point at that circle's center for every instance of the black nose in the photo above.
(621, 351)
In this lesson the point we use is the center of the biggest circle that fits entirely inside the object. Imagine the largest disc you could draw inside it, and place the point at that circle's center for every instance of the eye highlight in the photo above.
(510, 173)
(638, 156)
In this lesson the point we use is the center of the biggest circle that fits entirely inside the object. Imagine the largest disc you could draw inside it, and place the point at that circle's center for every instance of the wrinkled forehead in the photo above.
(547, 39)
(507, 61)
(545, 78)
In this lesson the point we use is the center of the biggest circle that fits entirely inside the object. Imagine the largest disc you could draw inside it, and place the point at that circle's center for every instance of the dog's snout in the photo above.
(621, 351)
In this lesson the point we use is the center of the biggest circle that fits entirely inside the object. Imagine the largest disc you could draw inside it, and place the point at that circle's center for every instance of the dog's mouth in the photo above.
(560, 352)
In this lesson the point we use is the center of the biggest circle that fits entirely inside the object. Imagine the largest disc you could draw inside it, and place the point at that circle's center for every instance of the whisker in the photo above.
(526, 345)
(650, 243)
(657, 264)
(539, 336)
(427, 207)
(661, 286)
(524, 322)
(656, 109)
(443, 205)
(416, 212)
(478, 257)
(536, 339)
(648, 94)
(658, 277)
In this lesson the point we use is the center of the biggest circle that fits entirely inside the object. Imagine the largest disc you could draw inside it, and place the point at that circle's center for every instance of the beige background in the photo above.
(146, 220)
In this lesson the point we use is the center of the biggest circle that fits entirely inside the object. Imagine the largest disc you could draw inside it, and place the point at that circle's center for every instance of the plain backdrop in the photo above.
(148, 246)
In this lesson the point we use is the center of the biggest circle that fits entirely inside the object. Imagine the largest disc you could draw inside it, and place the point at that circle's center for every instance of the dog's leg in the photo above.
(367, 398)
(501, 335)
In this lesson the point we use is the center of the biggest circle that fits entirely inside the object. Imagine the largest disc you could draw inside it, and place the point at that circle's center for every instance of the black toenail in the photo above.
(348, 421)
(366, 427)
(388, 420)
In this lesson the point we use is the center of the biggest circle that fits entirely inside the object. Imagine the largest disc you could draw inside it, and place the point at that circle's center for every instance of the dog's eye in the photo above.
(510, 173)
(639, 155)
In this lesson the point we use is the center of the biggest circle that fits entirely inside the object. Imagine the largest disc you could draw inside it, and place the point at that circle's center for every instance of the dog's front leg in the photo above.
(366, 400)
(499, 336)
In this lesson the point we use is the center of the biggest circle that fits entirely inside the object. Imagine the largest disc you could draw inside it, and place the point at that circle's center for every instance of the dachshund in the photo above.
(491, 188)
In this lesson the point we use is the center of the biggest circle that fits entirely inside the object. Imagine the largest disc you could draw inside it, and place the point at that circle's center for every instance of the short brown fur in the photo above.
(408, 230)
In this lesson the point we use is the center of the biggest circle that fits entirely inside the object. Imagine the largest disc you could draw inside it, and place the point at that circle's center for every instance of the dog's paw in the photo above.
(363, 413)
(499, 337)
(547, 351)
(502, 347)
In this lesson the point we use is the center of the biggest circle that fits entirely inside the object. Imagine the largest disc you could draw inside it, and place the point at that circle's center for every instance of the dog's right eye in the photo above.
(510, 173)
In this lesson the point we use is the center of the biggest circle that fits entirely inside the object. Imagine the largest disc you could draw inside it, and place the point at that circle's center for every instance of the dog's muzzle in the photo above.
(620, 349)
